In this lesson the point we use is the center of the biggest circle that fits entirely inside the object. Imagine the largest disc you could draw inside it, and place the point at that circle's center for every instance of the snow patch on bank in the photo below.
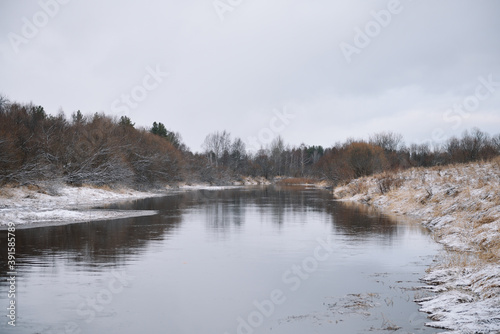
(52, 203)
(461, 205)
(55, 204)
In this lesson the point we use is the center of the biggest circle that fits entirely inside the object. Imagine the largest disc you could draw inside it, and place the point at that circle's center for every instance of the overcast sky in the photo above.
(329, 69)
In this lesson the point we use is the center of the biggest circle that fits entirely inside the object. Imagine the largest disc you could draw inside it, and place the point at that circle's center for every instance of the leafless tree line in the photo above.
(386, 151)
(102, 150)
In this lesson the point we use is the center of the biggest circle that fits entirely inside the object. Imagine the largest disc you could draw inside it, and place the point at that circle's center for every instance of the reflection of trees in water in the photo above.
(224, 209)
(221, 215)
(361, 220)
(93, 243)
(108, 242)
(227, 208)
(281, 202)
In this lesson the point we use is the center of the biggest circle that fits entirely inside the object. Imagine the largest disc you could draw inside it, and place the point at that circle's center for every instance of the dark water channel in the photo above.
(246, 260)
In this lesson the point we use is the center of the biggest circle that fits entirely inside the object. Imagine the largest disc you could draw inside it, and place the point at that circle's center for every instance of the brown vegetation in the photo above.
(460, 203)
(95, 150)
(102, 150)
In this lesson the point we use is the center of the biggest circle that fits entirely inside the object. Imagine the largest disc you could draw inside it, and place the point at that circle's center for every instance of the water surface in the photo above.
(247, 260)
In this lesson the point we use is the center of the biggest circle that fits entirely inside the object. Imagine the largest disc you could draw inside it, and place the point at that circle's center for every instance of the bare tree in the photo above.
(3, 103)
(365, 159)
(473, 146)
(238, 154)
(389, 141)
(495, 143)
(262, 163)
(216, 144)
(473, 143)
(277, 149)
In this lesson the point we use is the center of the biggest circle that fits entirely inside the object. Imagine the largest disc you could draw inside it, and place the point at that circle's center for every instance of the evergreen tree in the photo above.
(126, 121)
(154, 129)
(162, 130)
(159, 129)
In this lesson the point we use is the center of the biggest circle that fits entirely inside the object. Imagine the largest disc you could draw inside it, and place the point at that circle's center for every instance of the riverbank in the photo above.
(460, 204)
(53, 203)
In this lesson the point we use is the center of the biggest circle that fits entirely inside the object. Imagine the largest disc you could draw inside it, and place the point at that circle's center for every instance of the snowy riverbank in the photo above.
(56, 203)
(31, 206)
(461, 205)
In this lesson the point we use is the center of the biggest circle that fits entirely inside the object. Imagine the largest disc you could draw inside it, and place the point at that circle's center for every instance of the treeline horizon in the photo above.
(106, 150)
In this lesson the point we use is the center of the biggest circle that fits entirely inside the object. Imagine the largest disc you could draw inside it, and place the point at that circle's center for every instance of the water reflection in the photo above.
(107, 242)
(207, 255)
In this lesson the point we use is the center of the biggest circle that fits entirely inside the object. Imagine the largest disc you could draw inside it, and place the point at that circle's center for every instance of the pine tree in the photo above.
(126, 121)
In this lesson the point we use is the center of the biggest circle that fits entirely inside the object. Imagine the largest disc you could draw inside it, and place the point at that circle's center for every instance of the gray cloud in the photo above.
(231, 74)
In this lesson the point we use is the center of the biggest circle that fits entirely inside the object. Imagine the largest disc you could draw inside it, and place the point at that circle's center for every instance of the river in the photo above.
(244, 260)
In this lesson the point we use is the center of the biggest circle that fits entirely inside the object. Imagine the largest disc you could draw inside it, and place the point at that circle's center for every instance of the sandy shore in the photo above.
(460, 204)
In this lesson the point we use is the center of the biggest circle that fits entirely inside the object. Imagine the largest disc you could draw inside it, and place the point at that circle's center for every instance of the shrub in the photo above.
(387, 182)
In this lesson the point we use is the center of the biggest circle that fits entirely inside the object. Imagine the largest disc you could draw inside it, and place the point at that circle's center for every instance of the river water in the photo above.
(245, 260)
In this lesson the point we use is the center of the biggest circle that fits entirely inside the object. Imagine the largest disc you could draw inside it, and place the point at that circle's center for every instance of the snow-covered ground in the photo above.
(62, 204)
(461, 205)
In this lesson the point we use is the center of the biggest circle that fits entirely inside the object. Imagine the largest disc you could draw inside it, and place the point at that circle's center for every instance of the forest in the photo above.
(103, 150)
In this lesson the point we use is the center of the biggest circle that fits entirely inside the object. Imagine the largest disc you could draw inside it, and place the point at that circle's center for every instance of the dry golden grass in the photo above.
(483, 221)
(467, 193)
(5, 192)
(454, 259)
(33, 187)
(359, 188)
(489, 256)
(496, 162)
(388, 181)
